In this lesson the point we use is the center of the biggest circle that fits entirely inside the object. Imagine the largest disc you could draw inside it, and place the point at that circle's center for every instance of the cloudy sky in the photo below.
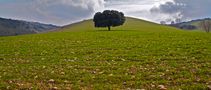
(62, 12)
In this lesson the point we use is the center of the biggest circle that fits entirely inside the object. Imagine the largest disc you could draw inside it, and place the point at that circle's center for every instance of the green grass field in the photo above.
(138, 55)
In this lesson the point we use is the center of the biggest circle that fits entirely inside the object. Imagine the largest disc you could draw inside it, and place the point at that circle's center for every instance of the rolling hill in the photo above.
(131, 24)
(9, 27)
(138, 55)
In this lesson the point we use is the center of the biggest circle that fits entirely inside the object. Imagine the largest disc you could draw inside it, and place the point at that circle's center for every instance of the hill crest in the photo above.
(134, 23)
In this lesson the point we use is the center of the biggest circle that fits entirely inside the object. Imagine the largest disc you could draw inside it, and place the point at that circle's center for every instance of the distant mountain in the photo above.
(9, 27)
(190, 25)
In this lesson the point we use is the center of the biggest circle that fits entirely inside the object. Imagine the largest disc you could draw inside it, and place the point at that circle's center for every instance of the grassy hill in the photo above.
(138, 55)
(131, 24)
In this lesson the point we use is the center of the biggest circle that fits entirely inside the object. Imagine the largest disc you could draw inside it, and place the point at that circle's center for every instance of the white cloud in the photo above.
(136, 8)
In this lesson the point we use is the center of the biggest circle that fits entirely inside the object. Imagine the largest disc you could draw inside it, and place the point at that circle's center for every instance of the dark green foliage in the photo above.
(109, 18)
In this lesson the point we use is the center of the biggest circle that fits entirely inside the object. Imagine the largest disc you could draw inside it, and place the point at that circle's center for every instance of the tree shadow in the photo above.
(104, 30)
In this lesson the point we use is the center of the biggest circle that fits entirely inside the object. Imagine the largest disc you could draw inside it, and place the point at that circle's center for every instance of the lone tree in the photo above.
(205, 25)
(109, 18)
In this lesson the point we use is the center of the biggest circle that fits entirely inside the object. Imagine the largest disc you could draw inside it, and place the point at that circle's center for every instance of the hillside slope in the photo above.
(138, 55)
(130, 24)
(9, 27)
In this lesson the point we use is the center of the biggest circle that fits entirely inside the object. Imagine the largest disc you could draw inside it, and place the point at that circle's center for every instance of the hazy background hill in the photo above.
(190, 25)
(9, 27)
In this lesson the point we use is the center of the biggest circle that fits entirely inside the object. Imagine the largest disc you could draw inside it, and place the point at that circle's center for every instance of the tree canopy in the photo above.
(109, 18)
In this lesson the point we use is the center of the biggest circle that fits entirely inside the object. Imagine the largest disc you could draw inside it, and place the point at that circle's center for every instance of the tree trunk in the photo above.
(109, 28)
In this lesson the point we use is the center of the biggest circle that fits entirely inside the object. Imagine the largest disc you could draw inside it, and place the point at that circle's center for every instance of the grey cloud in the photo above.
(67, 11)
(58, 12)
(184, 9)
(63, 12)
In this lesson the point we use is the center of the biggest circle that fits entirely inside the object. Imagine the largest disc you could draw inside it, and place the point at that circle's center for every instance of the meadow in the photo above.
(138, 55)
